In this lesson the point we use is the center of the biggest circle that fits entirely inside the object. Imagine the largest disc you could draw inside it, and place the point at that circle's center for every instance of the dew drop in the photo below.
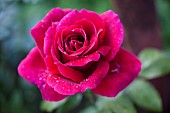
(40, 78)
(44, 86)
(114, 70)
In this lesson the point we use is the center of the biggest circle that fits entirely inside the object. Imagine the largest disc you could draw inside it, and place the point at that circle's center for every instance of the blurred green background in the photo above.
(16, 19)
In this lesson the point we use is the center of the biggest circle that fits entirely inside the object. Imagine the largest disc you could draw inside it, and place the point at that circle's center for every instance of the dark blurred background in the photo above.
(146, 22)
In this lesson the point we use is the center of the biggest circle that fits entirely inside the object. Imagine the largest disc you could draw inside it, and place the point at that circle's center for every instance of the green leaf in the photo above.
(145, 95)
(15, 104)
(71, 103)
(90, 110)
(154, 63)
(120, 104)
(50, 106)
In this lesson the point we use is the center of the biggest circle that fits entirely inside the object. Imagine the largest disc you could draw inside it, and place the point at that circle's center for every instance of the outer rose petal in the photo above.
(114, 33)
(75, 16)
(38, 31)
(129, 68)
(49, 94)
(32, 68)
(67, 87)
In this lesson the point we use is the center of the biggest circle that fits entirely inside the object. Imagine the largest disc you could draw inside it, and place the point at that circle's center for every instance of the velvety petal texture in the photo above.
(123, 70)
(79, 50)
(32, 68)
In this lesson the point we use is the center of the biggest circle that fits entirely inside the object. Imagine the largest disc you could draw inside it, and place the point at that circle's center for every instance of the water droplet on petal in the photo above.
(40, 78)
(114, 70)
(44, 86)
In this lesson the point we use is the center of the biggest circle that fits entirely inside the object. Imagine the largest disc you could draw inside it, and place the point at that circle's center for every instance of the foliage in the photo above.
(154, 63)
(145, 95)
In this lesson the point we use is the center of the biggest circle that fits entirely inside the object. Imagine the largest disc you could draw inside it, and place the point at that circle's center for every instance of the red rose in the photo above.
(79, 50)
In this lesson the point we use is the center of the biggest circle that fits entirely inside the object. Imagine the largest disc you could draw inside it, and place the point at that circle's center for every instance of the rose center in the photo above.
(74, 42)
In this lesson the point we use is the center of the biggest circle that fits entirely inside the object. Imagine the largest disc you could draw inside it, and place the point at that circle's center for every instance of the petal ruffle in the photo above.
(49, 94)
(70, 73)
(75, 16)
(67, 87)
(48, 41)
(114, 33)
(123, 70)
(38, 31)
(32, 67)
(85, 60)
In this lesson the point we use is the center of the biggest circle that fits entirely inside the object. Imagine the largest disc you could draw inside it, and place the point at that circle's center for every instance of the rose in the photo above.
(79, 50)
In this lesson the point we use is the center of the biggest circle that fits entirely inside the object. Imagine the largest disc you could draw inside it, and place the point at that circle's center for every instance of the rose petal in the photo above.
(75, 16)
(67, 71)
(67, 87)
(87, 26)
(49, 94)
(85, 60)
(70, 73)
(104, 50)
(51, 67)
(117, 79)
(67, 58)
(114, 33)
(32, 67)
(49, 38)
(93, 44)
(48, 41)
(38, 31)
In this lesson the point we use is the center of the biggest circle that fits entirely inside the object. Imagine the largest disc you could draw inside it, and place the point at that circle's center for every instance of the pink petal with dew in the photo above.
(48, 41)
(49, 94)
(70, 73)
(75, 16)
(127, 69)
(104, 50)
(68, 87)
(87, 26)
(32, 68)
(39, 30)
(114, 33)
(85, 60)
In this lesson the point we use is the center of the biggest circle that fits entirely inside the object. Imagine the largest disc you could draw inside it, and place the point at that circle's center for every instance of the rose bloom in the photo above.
(79, 50)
